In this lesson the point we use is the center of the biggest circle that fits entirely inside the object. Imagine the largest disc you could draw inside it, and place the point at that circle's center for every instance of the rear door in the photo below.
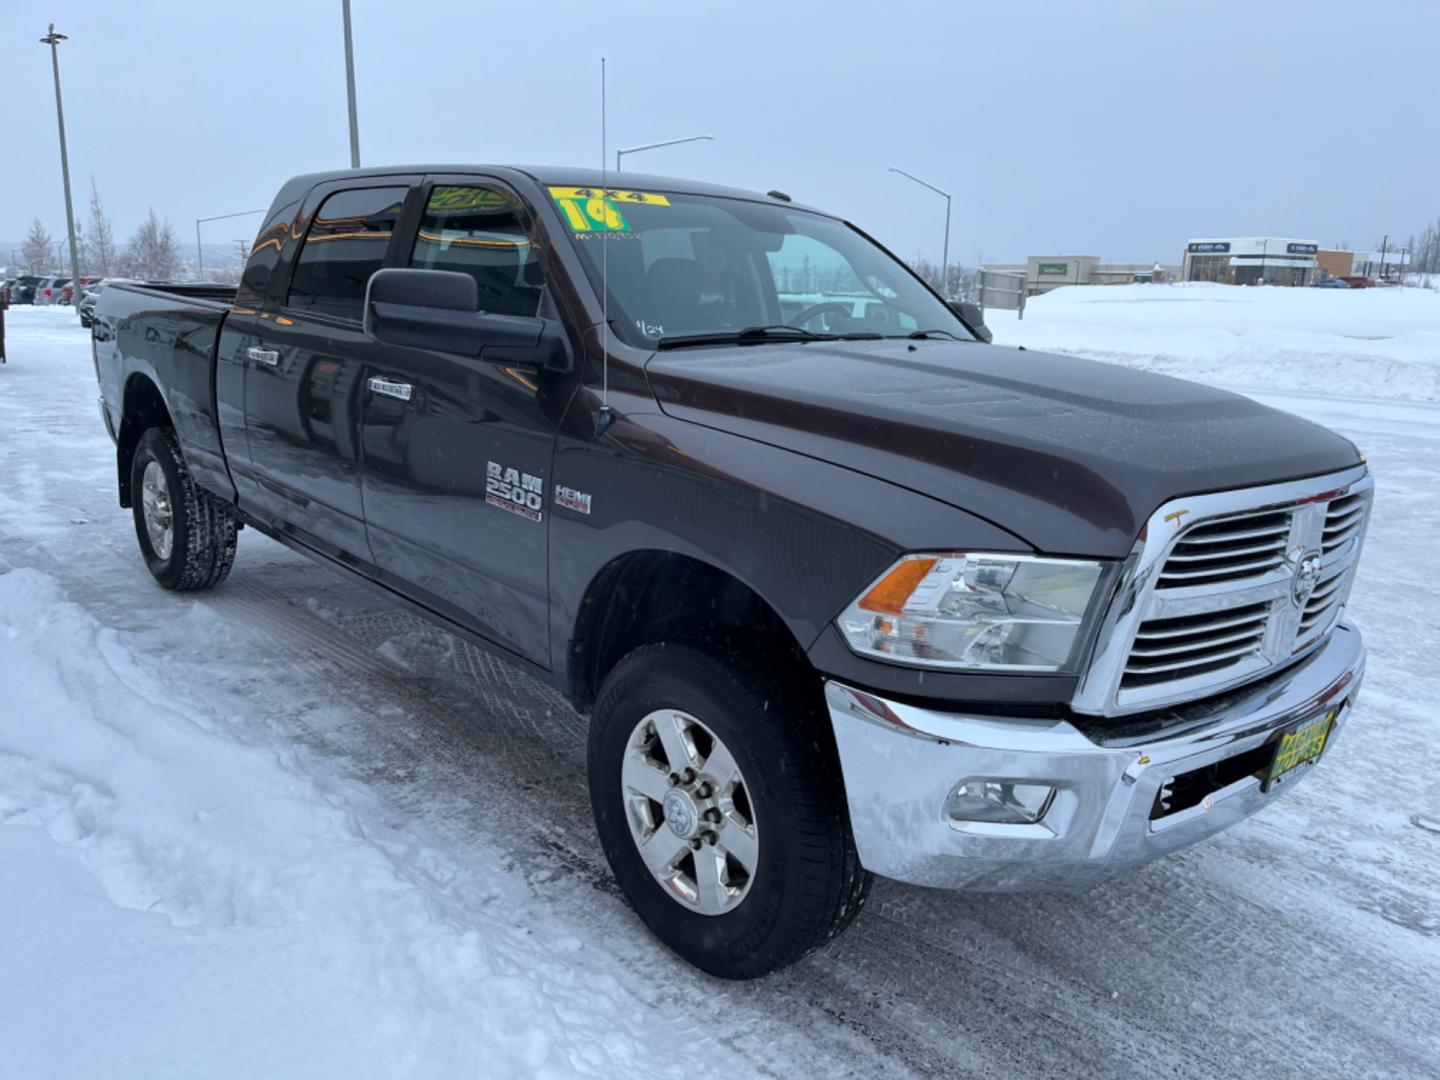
(458, 449)
(304, 362)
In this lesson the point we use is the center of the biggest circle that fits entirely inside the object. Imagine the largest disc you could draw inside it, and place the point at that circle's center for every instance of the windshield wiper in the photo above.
(751, 335)
(922, 335)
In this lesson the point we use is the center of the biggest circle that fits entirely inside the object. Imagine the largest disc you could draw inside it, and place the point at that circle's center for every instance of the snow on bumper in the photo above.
(902, 764)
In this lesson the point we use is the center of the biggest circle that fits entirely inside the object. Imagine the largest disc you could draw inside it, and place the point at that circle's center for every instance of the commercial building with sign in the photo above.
(1252, 260)
(1046, 272)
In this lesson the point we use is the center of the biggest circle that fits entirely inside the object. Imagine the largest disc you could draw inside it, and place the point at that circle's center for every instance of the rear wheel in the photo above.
(718, 802)
(186, 535)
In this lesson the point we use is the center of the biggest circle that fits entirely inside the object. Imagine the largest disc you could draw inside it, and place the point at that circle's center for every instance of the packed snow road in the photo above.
(287, 829)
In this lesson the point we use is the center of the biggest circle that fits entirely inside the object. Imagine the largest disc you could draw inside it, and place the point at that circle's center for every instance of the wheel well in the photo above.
(651, 596)
(142, 409)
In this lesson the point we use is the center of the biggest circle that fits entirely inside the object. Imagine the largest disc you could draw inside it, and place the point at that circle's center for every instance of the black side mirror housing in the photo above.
(973, 316)
(440, 310)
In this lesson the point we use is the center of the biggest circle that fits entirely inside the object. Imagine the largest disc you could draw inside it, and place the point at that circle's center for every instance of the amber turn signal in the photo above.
(888, 595)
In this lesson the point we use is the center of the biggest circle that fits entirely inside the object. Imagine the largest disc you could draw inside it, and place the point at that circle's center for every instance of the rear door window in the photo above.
(346, 243)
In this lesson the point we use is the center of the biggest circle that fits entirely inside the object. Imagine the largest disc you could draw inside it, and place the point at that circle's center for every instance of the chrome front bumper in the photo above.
(902, 763)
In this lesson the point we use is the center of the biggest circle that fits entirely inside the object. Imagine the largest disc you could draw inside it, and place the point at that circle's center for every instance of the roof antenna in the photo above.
(605, 417)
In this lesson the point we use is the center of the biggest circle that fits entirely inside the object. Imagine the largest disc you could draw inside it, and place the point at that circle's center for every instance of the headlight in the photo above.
(965, 611)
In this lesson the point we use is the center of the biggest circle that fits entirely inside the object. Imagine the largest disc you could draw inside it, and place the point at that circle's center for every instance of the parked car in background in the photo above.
(48, 291)
(23, 290)
(5, 289)
(67, 294)
(90, 294)
(1333, 283)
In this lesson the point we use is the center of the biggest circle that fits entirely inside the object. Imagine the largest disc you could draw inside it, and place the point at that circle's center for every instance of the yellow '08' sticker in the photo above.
(591, 209)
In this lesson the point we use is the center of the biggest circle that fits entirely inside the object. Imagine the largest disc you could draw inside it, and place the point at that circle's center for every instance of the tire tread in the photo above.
(211, 527)
(795, 735)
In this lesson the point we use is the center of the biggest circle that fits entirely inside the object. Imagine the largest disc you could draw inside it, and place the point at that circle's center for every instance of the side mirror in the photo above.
(973, 316)
(440, 310)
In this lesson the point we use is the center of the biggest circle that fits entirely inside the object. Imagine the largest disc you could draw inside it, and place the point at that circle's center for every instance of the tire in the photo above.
(806, 884)
(203, 530)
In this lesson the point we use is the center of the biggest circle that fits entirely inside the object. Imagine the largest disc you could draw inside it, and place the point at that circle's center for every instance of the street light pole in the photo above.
(53, 40)
(945, 257)
(350, 89)
(199, 251)
(656, 145)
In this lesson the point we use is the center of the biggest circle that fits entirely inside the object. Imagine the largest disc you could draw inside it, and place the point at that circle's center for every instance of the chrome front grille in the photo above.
(1190, 645)
(1328, 593)
(1223, 588)
(1228, 550)
(1344, 518)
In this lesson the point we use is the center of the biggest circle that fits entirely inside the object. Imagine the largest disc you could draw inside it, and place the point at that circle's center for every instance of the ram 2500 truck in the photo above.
(843, 589)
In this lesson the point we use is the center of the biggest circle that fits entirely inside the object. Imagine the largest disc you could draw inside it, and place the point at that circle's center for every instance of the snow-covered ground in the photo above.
(1355, 342)
(285, 829)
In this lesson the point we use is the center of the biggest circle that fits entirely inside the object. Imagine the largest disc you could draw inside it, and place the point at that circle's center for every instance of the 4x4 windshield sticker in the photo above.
(589, 209)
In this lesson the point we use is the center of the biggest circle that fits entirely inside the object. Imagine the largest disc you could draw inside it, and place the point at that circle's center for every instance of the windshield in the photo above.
(692, 266)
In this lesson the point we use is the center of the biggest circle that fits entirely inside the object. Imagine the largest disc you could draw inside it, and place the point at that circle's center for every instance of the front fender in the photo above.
(805, 535)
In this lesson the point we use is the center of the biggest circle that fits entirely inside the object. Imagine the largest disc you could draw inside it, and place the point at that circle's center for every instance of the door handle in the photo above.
(268, 357)
(400, 391)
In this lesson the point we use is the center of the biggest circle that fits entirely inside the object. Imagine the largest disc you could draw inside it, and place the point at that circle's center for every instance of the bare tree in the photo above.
(154, 250)
(958, 281)
(36, 251)
(99, 246)
(82, 260)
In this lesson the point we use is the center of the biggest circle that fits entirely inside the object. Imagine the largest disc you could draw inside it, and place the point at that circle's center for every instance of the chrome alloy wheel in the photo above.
(155, 503)
(690, 812)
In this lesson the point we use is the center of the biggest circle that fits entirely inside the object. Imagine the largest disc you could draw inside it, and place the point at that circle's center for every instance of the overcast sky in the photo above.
(1116, 129)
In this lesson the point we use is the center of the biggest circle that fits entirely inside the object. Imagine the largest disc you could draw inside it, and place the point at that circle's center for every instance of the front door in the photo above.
(304, 374)
(457, 449)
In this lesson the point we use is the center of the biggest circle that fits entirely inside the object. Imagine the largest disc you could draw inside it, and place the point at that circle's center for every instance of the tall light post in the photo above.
(945, 258)
(199, 251)
(53, 40)
(656, 145)
(350, 89)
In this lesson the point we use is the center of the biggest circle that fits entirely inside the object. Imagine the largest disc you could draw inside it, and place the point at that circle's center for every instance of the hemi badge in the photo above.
(570, 499)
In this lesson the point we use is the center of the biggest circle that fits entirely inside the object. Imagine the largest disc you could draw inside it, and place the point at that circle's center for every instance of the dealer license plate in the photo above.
(1299, 748)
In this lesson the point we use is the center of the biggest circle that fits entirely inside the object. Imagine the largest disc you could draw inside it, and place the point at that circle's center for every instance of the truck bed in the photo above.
(168, 334)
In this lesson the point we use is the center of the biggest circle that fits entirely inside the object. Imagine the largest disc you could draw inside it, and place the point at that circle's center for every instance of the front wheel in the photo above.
(717, 797)
(186, 535)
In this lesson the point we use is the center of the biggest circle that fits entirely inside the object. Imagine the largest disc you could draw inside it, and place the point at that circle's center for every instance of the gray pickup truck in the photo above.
(843, 588)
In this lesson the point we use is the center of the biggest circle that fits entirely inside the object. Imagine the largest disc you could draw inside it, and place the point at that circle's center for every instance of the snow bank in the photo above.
(248, 895)
(1370, 342)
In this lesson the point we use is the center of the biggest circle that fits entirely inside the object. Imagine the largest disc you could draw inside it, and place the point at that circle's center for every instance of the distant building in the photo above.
(1046, 272)
(1381, 265)
(1333, 264)
(1252, 260)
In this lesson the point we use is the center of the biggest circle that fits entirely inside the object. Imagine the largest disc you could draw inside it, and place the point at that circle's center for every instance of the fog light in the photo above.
(1000, 802)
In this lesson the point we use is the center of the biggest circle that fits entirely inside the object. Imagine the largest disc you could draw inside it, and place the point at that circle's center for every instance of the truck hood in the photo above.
(1070, 455)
